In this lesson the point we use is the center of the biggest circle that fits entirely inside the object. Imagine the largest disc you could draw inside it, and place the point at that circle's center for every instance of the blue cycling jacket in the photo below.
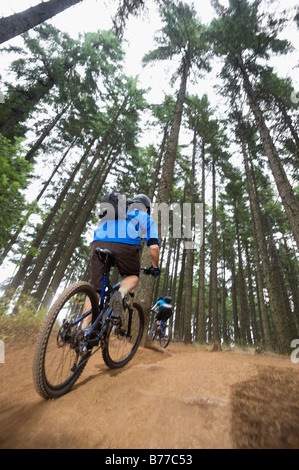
(161, 303)
(130, 231)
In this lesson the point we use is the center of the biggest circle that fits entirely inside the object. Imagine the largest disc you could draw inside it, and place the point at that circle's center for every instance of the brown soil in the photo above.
(184, 397)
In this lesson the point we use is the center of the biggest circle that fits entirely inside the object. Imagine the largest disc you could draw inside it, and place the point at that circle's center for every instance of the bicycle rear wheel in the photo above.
(164, 340)
(60, 354)
(121, 343)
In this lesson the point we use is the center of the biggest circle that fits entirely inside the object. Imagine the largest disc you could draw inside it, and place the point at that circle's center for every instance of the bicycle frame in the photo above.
(106, 291)
(162, 323)
(102, 308)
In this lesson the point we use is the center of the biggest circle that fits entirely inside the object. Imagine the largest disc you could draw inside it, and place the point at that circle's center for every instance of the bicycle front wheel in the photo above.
(121, 343)
(60, 356)
(164, 340)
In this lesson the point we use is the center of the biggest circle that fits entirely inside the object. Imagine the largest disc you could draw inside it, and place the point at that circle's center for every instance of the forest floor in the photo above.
(184, 397)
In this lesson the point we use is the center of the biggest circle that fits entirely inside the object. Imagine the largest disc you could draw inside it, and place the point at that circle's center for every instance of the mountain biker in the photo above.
(163, 308)
(122, 236)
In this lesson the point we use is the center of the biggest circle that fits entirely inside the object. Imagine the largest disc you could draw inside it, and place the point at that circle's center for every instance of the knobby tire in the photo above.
(118, 348)
(52, 374)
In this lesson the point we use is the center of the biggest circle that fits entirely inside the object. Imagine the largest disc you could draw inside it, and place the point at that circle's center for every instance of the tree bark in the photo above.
(190, 253)
(278, 319)
(179, 313)
(289, 199)
(224, 309)
(31, 97)
(214, 314)
(14, 25)
(30, 154)
(145, 287)
(234, 299)
(244, 314)
(255, 332)
(81, 217)
(201, 324)
(26, 262)
(14, 238)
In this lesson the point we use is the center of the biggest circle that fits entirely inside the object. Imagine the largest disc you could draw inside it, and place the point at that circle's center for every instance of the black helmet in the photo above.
(142, 199)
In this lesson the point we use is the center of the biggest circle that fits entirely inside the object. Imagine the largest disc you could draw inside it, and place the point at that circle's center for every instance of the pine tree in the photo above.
(239, 37)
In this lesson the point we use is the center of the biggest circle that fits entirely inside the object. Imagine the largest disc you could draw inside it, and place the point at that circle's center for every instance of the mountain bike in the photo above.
(161, 332)
(64, 347)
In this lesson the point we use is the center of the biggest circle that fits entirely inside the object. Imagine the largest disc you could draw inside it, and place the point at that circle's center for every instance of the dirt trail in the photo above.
(182, 398)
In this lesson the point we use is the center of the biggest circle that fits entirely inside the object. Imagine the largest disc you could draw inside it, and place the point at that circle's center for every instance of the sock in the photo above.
(123, 291)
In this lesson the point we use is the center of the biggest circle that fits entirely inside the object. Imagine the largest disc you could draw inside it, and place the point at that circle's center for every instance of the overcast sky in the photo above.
(91, 15)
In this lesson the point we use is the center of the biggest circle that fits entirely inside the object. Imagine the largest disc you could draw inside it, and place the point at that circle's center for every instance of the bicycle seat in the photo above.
(104, 254)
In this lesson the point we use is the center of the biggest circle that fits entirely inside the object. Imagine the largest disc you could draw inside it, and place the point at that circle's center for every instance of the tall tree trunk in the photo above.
(174, 283)
(14, 238)
(190, 253)
(244, 314)
(255, 332)
(260, 287)
(289, 199)
(158, 165)
(283, 342)
(280, 283)
(14, 25)
(60, 229)
(30, 98)
(145, 287)
(201, 323)
(213, 314)
(26, 262)
(165, 184)
(288, 122)
(81, 217)
(293, 277)
(167, 266)
(159, 280)
(30, 154)
(224, 310)
(179, 312)
(234, 299)
(60, 240)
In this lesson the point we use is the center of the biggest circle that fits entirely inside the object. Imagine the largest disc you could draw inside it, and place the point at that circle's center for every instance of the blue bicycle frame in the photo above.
(102, 308)
(162, 323)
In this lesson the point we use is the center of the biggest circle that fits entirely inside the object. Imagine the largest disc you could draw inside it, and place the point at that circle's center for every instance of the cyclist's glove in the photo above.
(154, 271)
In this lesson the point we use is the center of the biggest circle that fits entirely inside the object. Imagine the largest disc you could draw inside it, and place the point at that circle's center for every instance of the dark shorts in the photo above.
(164, 314)
(127, 258)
